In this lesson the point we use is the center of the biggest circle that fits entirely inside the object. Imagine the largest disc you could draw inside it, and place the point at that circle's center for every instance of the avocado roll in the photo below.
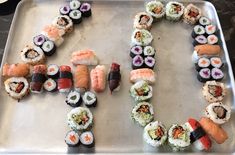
(89, 99)
(49, 48)
(87, 139)
(149, 51)
(85, 8)
(74, 99)
(72, 138)
(198, 30)
(204, 21)
(136, 50)
(141, 91)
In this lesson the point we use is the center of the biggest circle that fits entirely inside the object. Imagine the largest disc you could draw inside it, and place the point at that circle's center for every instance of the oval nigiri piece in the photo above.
(98, 78)
(84, 57)
(16, 70)
(81, 78)
(142, 74)
(65, 79)
(114, 77)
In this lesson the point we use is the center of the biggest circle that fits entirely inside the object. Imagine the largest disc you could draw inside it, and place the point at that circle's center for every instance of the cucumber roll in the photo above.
(174, 11)
(204, 21)
(142, 113)
(141, 37)
(49, 48)
(155, 9)
(74, 4)
(53, 71)
(149, 51)
(50, 85)
(191, 14)
(212, 39)
(204, 75)
(72, 138)
(217, 74)
(203, 62)
(216, 62)
(199, 40)
(32, 55)
(85, 8)
(136, 50)
(89, 99)
(63, 22)
(198, 30)
(64, 10)
(149, 62)
(74, 99)
(210, 29)
(76, 16)
(137, 62)
(87, 139)
(143, 20)
(141, 91)
(39, 40)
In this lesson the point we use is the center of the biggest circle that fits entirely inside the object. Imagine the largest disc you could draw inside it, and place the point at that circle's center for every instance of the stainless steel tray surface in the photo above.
(37, 124)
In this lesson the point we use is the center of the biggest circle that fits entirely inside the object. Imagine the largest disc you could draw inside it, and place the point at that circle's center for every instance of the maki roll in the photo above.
(137, 62)
(218, 112)
(149, 62)
(174, 11)
(204, 75)
(191, 14)
(155, 134)
(50, 85)
(179, 137)
(17, 87)
(212, 39)
(74, 4)
(64, 10)
(72, 138)
(49, 48)
(141, 37)
(149, 51)
(136, 50)
(141, 91)
(145, 74)
(204, 21)
(38, 78)
(203, 62)
(213, 91)
(216, 62)
(54, 34)
(143, 20)
(39, 40)
(217, 74)
(85, 8)
(155, 9)
(89, 99)
(114, 77)
(198, 30)
(63, 22)
(65, 79)
(53, 71)
(142, 113)
(81, 78)
(210, 29)
(199, 40)
(76, 16)
(32, 55)
(74, 99)
(80, 118)
(87, 139)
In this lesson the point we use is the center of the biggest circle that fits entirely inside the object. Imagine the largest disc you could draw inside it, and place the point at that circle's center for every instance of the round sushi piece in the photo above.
(179, 137)
(149, 62)
(155, 9)
(141, 91)
(216, 62)
(137, 62)
(141, 37)
(76, 16)
(143, 20)
(142, 113)
(212, 39)
(204, 21)
(203, 62)
(218, 112)
(72, 138)
(155, 134)
(63, 22)
(80, 118)
(74, 4)
(50, 85)
(213, 91)
(17, 87)
(199, 40)
(136, 50)
(39, 40)
(217, 74)
(149, 51)
(204, 75)
(87, 139)
(85, 8)
(74, 99)
(210, 29)
(174, 11)
(198, 30)
(53, 71)
(49, 48)
(64, 10)
(89, 99)
(191, 14)
(32, 55)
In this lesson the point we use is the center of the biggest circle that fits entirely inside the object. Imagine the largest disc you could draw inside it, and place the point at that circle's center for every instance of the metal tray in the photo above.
(37, 124)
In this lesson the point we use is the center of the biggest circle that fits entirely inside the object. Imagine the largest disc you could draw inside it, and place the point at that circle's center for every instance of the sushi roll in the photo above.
(203, 62)
(155, 134)
(216, 62)
(210, 29)
(179, 137)
(142, 113)
(198, 136)
(65, 79)
(85, 8)
(174, 11)
(204, 75)
(217, 74)
(191, 14)
(81, 78)
(114, 77)
(64, 10)
(143, 20)
(32, 55)
(213, 91)
(218, 112)
(74, 99)
(76, 16)
(74, 4)
(72, 138)
(98, 78)
(141, 37)
(141, 91)
(149, 51)
(16, 70)
(39, 40)
(155, 9)
(80, 118)
(149, 62)
(50, 85)
(54, 34)
(53, 71)
(136, 50)
(204, 21)
(198, 30)
(49, 48)
(199, 40)
(17, 87)
(89, 99)
(212, 39)
(38, 78)
(84, 57)
(63, 22)
(87, 139)
(137, 62)
(145, 74)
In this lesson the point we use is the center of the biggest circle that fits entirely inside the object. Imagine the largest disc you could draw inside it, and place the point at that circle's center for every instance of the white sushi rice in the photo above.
(67, 27)
(152, 5)
(144, 37)
(147, 25)
(143, 85)
(36, 56)
(170, 12)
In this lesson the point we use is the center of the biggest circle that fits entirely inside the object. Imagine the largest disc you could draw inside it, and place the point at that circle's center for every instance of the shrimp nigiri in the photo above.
(142, 74)
(98, 78)
(84, 57)
(16, 70)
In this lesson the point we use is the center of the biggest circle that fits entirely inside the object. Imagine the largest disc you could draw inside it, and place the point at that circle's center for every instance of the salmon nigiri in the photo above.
(98, 78)
(84, 57)
(16, 70)
(81, 77)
